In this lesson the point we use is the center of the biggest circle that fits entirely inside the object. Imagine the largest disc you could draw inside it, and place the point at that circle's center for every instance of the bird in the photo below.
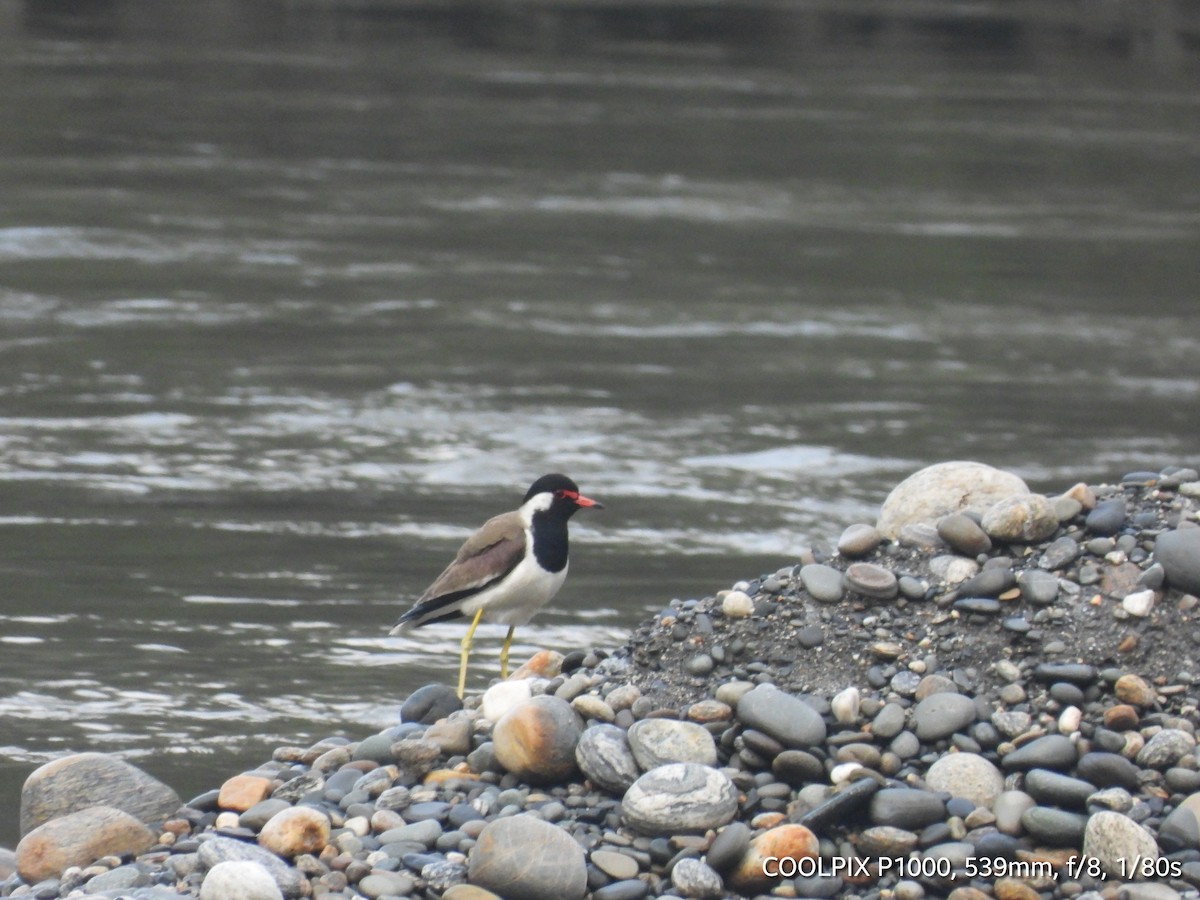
(507, 570)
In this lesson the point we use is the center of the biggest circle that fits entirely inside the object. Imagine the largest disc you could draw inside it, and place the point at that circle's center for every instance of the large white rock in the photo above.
(944, 488)
(239, 880)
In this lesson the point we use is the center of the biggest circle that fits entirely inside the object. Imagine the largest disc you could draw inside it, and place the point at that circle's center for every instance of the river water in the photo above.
(291, 300)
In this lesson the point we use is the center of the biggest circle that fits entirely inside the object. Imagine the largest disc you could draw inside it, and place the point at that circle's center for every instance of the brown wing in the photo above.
(487, 556)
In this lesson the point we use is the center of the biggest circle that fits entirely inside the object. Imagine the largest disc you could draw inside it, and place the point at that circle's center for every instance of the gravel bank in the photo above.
(996, 702)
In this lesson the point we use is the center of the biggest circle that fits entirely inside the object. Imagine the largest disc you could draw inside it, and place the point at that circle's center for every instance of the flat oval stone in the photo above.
(784, 717)
(1039, 587)
(729, 846)
(680, 798)
(429, 703)
(825, 583)
(858, 540)
(1055, 827)
(525, 856)
(963, 533)
(989, 583)
(1056, 789)
(872, 581)
(1118, 843)
(655, 742)
(1075, 673)
(906, 808)
(941, 715)
(1108, 770)
(1107, 517)
(1054, 751)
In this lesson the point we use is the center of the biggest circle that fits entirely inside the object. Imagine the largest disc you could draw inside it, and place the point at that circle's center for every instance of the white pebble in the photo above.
(841, 774)
(239, 880)
(737, 605)
(1069, 720)
(846, 706)
(1139, 603)
(500, 698)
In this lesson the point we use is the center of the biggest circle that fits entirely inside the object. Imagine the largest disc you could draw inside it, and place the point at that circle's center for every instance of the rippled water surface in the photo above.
(291, 300)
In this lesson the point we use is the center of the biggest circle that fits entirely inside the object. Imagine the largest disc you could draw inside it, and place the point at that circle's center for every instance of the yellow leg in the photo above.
(466, 651)
(504, 652)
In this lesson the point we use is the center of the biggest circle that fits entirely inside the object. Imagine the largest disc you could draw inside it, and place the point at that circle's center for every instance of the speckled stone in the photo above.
(967, 775)
(655, 742)
(680, 798)
(604, 756)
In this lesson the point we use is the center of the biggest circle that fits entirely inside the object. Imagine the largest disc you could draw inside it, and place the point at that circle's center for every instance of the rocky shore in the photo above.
(987, 693)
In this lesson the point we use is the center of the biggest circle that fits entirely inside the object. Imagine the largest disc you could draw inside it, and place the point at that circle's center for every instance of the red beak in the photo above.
(581, 500)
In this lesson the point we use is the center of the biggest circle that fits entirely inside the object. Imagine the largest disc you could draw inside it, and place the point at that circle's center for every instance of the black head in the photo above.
(565, 492)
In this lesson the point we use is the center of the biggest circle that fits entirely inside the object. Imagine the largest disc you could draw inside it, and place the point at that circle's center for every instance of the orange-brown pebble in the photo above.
(1121, 717)
(709, 711)
(79, 839)
(441, 776)
(295, 830)
(543, 664)
(177, 827)
(784, 842)
(241, 792)
(967, 893)
(767, 820)
(1013, 889)
(1135, 690)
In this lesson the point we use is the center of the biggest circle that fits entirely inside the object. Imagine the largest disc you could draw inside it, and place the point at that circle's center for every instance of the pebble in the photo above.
(527, 855)
(825, 583)
(295, 830)
(79, 839)
(655, 742)
(604, 756)
(1053, 751)
(430, 704)
(737, 605)
(679, 798)
(1107, 517)
(966, 775)
(693, 878)
(858, 541)
(1021, 519)
(239, 880)
(906, 808)
(964, 534)
(1054, 827)
(1178, 552)
(784, 842)
(1118, 843)
(870, 580)
(729, 846)
(941, 715)
(536, 740)
(784, 717)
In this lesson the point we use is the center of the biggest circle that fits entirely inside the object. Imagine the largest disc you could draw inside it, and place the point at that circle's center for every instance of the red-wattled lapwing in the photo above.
(507, 570)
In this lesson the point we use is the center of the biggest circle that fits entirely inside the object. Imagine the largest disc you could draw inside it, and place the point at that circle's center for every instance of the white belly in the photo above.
(516, 599)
